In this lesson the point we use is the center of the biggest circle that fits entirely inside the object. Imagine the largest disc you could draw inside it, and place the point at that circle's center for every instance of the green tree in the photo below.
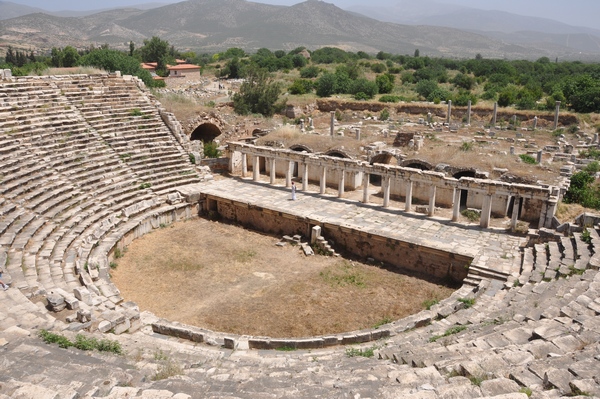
(157, 50)
(10, 57)
(425, 87)
(364, 86)
(56, 57)
(581, 189)
(385, 83)
(258, 94)
(325, 85)
(113, 60)
(464, 81)
(70, 57)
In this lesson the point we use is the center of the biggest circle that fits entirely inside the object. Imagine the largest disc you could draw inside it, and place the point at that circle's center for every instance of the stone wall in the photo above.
(428, 262)
(441, 110)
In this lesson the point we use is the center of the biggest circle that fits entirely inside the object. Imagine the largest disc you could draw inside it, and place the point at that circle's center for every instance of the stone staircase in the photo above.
(67, 196)
(539, 333)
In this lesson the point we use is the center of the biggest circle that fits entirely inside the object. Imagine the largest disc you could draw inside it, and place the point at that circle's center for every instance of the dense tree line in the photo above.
(527, 85)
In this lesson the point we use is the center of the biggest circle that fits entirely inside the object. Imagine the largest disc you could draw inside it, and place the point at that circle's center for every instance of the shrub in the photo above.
(361, 96)
(582, 191)
(301, 86)
(385, 83)
(389, 99)
(528, 159)
(367, 88)
(326, 85)
(471, 214)
(378, 68)
(353, 352)
(466, 146)
(192, 158)
(428, 303)
(211, 150)
(384, 115)
(309, 72)
(82, 342)
(468, 302)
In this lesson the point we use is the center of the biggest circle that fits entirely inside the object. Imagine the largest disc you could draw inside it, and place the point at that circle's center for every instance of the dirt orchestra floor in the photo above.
(228, 279)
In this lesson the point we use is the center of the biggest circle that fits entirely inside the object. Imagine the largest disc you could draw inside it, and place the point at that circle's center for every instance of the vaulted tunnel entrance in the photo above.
(206, 132)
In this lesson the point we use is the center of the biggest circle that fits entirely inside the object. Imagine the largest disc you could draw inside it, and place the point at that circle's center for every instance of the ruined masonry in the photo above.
(90, 163)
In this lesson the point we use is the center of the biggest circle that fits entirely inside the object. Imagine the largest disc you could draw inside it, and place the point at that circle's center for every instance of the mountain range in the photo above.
(215, 25)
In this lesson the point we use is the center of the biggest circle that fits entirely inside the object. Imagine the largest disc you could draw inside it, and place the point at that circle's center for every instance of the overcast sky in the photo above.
(572, 12)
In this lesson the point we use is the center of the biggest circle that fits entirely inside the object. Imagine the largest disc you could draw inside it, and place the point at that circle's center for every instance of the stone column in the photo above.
(539, 156)
(408, 199)
(449, 111)
(366, 178)
(331, 127)
(244, 164)
(386, 191)
(311, 123)
(432, 192)
(305, 178)
(494, 115)
(469, 113)
(341, 183)
(273, 173)
(315, 233)
(288, 173)
(302, 124)
(255, 168)
(323, 180)
(512, 150)
(357, 131)
(429, 118)
(535, 119)
(515, 213)
(486, 211)
(456, 204)
(595, 139)
(556, 112)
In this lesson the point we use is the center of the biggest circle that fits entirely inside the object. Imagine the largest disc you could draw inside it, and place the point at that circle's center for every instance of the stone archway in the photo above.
(384, 157)
(301, 148)
(464, 194)
(338, 154)
(206, 132)
(417, 164)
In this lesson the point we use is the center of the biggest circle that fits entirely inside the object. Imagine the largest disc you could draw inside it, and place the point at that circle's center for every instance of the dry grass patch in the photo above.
(73, 71)
(228, 279)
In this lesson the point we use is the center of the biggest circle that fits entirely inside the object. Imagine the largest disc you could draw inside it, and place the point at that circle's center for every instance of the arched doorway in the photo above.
(299, 148)
(206, 132)
(382, 158)
(464, 193)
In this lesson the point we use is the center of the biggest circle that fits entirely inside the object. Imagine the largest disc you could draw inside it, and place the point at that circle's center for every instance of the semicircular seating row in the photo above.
(84, 161)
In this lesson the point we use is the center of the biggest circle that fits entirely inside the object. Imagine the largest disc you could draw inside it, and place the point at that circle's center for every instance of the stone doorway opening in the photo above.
(206, 132)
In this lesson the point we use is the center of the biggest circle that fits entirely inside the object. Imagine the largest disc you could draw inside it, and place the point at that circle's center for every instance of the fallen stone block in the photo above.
(56, 302)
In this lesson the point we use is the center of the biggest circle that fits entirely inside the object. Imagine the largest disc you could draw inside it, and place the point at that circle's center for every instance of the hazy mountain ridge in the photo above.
(213, 25)
(546, 34)
(12, 10)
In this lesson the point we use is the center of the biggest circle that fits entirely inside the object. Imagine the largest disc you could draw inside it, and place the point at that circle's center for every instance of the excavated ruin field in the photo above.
(225, 278)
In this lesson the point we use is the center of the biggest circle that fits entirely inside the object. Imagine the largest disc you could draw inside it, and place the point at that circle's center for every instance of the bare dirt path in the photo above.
(225, 278)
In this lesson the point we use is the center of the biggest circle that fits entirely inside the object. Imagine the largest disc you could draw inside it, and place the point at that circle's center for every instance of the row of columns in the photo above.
(386, 187)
